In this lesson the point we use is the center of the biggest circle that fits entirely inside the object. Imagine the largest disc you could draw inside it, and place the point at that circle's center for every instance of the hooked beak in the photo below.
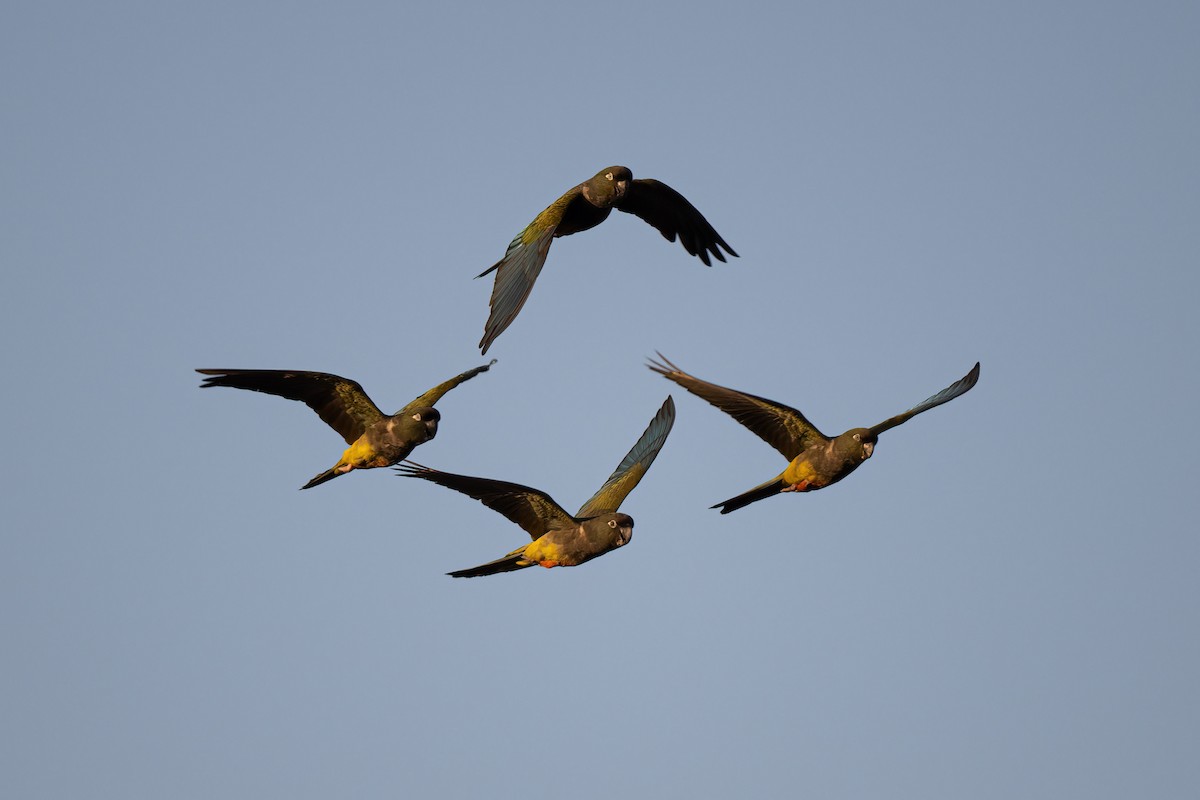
(621, 188)
(869, 448)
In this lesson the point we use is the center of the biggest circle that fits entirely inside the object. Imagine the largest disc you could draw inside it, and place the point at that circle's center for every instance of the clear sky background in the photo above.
(1002, 603)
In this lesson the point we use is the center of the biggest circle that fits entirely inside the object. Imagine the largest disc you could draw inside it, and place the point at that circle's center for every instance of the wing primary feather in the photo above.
(340, 402)
(431, 397)
(532, 509)
(516, 273)
(781, 426)
(673, 215)
(634, 465)
(956, 389)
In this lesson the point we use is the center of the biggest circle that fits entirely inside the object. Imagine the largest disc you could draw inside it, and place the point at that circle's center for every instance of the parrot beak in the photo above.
(620, 188)
(869, 448)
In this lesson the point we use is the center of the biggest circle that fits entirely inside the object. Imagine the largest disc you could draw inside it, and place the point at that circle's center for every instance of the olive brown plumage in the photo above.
(815, 460)
(586, 206)
(376, 439)
(558, 538)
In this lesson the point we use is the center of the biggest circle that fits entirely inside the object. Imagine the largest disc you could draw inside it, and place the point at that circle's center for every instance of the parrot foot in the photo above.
(802, 486)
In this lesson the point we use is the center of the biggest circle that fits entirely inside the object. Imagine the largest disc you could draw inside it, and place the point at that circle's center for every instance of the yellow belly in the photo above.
(547, 553)
(801, 471)
(361, 455)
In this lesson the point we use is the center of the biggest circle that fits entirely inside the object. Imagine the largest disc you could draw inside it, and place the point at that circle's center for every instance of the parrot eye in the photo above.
(417, 416)
(608, 175)
(612, 523)
(857, 438)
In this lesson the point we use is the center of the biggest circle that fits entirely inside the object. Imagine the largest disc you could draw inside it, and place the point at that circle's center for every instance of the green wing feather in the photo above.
(633, 466)
(340, 402)
(959, 387)
(520, 267)
(532, 509)
(514, 281)
(782, 427)
(433, 395)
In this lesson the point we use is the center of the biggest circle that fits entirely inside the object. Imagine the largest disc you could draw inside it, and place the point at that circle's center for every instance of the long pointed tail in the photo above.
(509, 563)
(760, 492)
(327, 475)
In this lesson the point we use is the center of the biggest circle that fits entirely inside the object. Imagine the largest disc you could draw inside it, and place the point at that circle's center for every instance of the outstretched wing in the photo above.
(633, 466)
(670, 212)
(961, 386)
(433, 395)
(780, 426)
(520, 267)
(340, 402)
(534, 510)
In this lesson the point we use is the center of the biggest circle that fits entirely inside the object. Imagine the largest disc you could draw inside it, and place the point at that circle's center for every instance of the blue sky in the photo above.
(1001, 603)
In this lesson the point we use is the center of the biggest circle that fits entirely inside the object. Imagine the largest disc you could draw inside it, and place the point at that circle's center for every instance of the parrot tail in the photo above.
(760, 492)
(327, 475)
(509, 563)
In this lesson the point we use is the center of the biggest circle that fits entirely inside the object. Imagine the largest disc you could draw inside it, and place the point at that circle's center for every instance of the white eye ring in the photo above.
(612, 523)
(856, 438)
(417, 416)
(608, 175)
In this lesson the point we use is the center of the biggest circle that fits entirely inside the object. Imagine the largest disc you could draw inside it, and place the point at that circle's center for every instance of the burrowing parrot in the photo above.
(375, 439)
(816, 460)
(586, 206)
(559, 539)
